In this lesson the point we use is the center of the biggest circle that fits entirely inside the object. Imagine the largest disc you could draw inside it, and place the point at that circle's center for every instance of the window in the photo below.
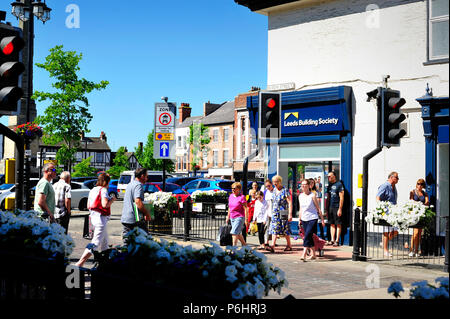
(205, 159)
(215, 158)
(225, 158)
(243, 148)
(179, 141)
(99, 157)
(184, 142)
(215, 135)
(204, 184)
(185, 160)
(225, 134)
(438, 29)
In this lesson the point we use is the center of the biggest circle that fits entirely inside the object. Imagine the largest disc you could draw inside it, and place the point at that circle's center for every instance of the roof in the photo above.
(188, 122)
(223, 115)
(87, 143)
(255, 5)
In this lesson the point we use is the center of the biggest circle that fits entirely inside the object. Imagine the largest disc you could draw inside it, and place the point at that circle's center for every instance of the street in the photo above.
(334, 276)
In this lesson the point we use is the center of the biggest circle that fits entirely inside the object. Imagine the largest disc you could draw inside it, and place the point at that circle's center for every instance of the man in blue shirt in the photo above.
(387, 192)
(335, 205)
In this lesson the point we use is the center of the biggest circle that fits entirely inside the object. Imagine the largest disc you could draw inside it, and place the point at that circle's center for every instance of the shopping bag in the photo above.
(253, 228)
(224, 236)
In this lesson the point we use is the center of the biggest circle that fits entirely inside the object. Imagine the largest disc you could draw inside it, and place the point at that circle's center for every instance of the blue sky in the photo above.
(190, 51)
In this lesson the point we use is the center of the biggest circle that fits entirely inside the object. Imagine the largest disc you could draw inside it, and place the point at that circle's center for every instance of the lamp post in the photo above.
(25, 10)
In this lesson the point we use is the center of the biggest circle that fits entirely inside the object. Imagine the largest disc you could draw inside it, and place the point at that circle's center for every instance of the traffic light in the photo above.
(269, 115)
(11, 43)
(391, 117)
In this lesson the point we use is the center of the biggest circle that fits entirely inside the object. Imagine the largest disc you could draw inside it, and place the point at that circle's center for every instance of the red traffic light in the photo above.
(10, 45)
(271, 103)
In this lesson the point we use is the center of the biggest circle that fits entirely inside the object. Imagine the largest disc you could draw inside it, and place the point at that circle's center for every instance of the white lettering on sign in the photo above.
(311, 122)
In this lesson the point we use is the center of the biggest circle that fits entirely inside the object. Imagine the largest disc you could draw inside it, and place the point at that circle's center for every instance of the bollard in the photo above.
(187, 207)
(356, 234)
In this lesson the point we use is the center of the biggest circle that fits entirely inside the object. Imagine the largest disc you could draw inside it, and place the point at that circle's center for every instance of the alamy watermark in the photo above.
(373, 279)
(373, 16)
(73, 19)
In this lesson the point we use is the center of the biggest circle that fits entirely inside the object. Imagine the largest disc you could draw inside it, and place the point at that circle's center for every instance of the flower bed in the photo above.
(423, 289)
(410, 214)
(232, 273)
(210, 196)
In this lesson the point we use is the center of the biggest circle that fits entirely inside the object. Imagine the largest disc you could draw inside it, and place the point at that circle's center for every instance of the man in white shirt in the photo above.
(63, 200)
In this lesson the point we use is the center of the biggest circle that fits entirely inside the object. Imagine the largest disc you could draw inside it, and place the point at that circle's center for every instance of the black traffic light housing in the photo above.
(269, 115)
(391, 117)
(11, 67)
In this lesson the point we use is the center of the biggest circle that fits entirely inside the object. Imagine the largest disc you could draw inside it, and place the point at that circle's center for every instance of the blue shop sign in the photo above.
(316, 119)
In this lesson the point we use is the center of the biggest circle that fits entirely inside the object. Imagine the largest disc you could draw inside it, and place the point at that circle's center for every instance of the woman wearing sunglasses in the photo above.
(418, 194)
(237, 213)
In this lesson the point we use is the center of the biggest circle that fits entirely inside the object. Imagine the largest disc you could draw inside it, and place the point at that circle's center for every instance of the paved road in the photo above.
(333, 276)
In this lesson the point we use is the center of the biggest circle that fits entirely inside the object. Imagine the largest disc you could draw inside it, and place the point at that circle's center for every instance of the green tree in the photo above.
(84, 168)
(198, 139)
(68, 114)
(145, 158)
(120, 163)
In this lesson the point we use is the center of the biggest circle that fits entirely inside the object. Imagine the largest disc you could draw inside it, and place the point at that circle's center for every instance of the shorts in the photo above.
(333, 218)
(237, 224)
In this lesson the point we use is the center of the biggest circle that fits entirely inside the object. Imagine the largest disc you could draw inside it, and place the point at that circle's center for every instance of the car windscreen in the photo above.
(125, 179)
(225, 185)
(150, 188)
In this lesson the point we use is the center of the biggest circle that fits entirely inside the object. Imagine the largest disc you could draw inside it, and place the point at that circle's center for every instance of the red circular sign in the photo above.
(165, 119)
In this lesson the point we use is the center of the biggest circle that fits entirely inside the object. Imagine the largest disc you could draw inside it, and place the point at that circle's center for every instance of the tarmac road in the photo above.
(334, 276)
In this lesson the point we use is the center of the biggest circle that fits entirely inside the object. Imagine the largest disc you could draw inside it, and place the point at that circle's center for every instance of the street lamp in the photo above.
(24, 10)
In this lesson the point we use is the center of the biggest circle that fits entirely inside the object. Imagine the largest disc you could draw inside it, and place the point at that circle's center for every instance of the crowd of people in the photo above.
(271, 210)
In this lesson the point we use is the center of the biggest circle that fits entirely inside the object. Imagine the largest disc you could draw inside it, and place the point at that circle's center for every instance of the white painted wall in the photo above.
(339, 43)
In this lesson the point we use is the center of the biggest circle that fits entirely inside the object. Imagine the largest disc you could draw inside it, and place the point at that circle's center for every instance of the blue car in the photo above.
(205, 184)
(112, 187)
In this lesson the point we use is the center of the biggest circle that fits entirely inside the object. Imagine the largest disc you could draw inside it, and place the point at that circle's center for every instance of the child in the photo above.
(260, 216)
(251, 207)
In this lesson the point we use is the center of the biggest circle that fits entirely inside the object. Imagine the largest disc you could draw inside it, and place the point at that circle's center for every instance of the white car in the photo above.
(80, 194)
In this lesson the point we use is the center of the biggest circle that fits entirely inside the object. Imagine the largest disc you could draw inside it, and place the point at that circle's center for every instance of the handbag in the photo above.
(224, 236)
(284, 214)
(253, 228)
(98, 207)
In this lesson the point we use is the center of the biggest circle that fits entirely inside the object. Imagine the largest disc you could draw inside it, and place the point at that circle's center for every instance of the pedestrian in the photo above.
(309, 214)
(134, 195)
(260, 217)
(335, 205)
(44, 200)
(268, 197)
(99, 205)
(237, 213)
(281, 214)
(251, 208)
(255, 186)
(418, 194)
(387, 192)
(63, 195)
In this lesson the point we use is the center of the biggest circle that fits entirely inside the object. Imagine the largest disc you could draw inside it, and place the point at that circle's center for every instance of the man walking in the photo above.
(63, 197)
(44, 201)
(134, 195)
(268, 197)
(335, 204)
(387, 192)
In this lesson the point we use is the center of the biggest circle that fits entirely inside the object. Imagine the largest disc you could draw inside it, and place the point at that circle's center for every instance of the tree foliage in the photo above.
(68, 114)
(145, 158)
(84, 168)
(120, 163)
(198, 139)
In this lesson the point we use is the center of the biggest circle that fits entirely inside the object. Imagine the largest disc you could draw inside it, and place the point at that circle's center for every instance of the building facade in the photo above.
(336, 51)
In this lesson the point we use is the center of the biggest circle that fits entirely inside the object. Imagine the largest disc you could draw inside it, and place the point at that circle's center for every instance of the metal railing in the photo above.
(426, 246)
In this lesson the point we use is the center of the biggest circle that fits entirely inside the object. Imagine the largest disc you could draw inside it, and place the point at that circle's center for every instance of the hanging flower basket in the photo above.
(29, 130)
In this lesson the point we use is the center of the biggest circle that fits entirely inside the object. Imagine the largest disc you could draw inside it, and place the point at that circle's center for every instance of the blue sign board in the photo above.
(315, 119)
(164, 149)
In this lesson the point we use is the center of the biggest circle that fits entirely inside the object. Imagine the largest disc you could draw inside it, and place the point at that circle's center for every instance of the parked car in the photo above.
(112, 187)
(181, 181)
(127, 176)
(90, 183)
(205, 184)
(79, 193)
(175, 189)
(82, 179)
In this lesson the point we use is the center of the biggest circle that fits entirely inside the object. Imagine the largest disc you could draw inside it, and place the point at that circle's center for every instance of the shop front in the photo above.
(316, 138)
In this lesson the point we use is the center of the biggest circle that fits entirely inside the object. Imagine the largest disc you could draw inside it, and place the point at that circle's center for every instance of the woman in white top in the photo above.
(99, 204)
(260, 215)
(308, 216)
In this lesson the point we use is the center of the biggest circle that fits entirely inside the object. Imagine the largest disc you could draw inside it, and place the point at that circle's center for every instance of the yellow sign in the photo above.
(164, 136)
(295, 114)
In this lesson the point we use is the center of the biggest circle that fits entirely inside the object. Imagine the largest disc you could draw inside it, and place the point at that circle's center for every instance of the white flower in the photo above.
(230, 271)
(250, 268)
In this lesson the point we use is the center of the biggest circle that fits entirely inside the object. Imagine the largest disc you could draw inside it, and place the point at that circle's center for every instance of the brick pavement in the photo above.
(333, 276)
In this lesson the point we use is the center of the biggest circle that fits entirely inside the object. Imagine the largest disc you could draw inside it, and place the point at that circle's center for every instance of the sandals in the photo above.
(270, 248)
(311, 258)
(288, 249)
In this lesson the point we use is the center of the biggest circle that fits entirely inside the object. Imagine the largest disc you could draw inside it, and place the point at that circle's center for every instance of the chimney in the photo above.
(140, 146)
(103, 136)
(184, 111)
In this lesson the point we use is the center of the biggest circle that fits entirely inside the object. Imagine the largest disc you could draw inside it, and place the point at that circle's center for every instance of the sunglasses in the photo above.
(423, 184)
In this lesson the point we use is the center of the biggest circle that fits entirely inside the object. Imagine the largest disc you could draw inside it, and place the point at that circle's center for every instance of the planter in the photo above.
(161, 222)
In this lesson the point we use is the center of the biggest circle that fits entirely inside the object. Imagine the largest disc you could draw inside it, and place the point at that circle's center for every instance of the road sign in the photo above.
(164, 150)
(165, 121)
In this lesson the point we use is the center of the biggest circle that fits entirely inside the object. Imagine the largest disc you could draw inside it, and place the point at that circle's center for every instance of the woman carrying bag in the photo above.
(99, 204)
